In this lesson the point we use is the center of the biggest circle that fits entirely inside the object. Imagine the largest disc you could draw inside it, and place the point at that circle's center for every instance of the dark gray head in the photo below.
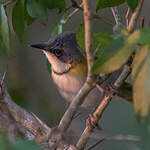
(61, 51)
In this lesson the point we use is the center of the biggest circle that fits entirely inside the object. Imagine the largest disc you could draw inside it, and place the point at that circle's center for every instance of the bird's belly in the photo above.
(68, 87)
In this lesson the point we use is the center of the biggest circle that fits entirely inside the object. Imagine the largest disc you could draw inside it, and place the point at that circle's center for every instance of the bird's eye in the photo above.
(58, 52)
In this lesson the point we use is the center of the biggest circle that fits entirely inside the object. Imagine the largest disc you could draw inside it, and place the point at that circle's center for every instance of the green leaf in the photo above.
(60, 4)
(28, 19)
(4, 30)
(113, 56)
(132, 4)
(36, 9)
(108, 3)
(18, 19)
(141, 36)
(48, 65)
(80, 36)
(141, 75)
(100, 40)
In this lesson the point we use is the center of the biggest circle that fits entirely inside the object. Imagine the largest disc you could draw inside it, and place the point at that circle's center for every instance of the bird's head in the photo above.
(62, 52)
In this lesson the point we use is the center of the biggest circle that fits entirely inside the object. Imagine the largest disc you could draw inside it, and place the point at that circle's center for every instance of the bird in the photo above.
(69, 67)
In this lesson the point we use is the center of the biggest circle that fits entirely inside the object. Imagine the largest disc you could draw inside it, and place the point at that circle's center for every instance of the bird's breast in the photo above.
(68, 84)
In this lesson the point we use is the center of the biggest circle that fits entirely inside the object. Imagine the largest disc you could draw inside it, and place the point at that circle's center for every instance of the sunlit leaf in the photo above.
(108, 3)
(132, 4)
(113, 56)
(18, 19)
(141, 36)
(36, 9)
(4, 30)
(141, 75)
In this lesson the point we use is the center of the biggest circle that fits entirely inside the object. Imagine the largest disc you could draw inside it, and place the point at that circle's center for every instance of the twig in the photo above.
(87, 28)
(96, 16)
(88, 86)
(127, 17)
(100, 109)
(76, 102)
(134, 16)
(142, 22)
(95, 144)
(72, 13)
(116, 15)
(3, 78)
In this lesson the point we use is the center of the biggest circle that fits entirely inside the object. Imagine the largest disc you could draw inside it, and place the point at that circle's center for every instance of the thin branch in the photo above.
(72, 13)
(127, 17)
(100, 109)
(87, 28)
(88, 86)
(96, 16)
(76, 102)
(134, 16)
(116, 15)
(95, 144)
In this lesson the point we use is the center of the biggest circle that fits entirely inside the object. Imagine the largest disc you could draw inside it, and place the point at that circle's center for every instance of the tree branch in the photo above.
(88, 86)
(100, 109)
(21, 116)
(135, 16)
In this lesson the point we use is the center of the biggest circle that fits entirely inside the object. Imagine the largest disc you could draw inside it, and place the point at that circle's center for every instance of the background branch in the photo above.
(135, 16)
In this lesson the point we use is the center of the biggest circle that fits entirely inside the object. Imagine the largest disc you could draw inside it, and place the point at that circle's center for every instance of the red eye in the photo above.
(58, 52)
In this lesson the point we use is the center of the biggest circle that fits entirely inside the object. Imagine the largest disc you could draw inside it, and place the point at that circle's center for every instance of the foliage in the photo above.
(4, 30)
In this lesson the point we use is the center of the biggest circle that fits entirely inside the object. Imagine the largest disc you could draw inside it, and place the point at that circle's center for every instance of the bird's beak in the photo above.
(42, 46)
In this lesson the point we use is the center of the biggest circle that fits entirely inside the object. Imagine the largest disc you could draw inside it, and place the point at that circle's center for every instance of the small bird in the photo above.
(69, 67)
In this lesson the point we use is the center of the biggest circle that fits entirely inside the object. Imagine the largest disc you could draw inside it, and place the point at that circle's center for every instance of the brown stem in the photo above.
(100, 109)
(134, 16)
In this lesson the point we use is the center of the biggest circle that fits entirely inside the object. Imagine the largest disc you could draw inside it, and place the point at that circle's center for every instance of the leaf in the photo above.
(113, 56)
(132, 4)
(36, 9)
(141, 36)
(80, 36)
(60, 4)
(57, 30)
(141, 75)
(4, 30)
(108, 3)
(100, 40)
(18, 19)
(28, 19)
(48, 65)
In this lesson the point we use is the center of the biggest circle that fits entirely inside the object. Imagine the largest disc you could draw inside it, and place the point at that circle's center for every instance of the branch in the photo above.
(72, 13)
(21, 116)
(88, 86)
(87, 28)
(116, 15)
(100, 109)
(134, 16)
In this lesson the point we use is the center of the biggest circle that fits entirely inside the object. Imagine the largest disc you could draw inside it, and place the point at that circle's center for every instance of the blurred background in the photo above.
(30, 84)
